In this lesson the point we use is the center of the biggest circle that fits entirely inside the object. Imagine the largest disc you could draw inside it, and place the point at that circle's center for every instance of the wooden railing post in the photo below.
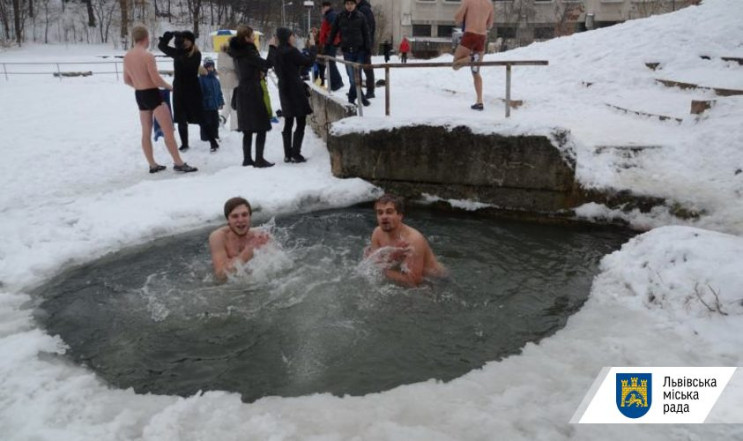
(508, 90)
(359, 93)
(387, 91)
(5, 70)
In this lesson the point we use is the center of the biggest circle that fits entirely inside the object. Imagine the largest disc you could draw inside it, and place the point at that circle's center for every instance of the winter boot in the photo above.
(296, 155)
(247, 141)
(260, 162)
(287, 137)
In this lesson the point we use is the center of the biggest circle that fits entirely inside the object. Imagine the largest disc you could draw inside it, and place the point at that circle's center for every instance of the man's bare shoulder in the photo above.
(219, 234)
(413, 235)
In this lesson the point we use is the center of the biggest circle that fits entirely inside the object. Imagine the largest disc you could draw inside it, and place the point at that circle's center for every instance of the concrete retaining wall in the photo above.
(517, 173)
(327, 110)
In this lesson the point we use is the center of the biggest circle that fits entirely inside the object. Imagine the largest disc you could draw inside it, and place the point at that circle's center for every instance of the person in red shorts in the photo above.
(476, 18)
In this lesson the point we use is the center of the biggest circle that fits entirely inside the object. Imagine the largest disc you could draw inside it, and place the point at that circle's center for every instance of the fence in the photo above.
(58, 72)
(357, 67)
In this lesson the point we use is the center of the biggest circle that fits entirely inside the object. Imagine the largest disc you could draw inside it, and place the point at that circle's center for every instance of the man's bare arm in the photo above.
(374, 244)
(460, 14)
(410, 273)
(220, 261)
(155, 75)
(128, 79)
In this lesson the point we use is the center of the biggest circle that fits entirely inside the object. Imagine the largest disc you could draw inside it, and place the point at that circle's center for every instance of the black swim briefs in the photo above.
(148, 99)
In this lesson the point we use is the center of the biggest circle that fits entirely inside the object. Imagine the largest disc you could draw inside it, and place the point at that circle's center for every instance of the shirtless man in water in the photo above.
(235, 243)
(140, 72)
(410, 257)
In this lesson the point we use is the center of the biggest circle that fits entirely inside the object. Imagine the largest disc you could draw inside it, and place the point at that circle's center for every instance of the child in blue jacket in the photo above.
(213, 101)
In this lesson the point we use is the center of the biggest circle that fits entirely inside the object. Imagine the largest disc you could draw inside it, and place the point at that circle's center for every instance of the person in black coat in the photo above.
(186, 88)
(365, 8)
(387, 50)
(295, 105)
(252, 116)
(355, 42)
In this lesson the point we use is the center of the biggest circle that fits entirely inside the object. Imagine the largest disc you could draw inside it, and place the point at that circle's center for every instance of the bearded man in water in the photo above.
(410, 257)
(235, 243)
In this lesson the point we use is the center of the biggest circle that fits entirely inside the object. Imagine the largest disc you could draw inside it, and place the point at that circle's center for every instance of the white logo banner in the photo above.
(663, 395)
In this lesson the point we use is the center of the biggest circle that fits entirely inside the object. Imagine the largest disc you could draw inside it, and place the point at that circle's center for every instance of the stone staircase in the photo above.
(695, 93)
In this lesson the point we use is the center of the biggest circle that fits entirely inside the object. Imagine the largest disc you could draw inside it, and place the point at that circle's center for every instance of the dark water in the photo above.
(308, 316)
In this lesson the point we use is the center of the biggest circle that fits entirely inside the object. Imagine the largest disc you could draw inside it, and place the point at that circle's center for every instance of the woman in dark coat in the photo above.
(295, 105)
(252, 116)
(186, 89)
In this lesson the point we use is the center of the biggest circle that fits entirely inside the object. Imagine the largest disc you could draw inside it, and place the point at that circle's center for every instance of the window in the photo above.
(544, 32)
(421, 30)
(445, 30)
(505, 32)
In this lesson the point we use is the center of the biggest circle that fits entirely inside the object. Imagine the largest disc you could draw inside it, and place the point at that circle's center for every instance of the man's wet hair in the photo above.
(397, 202)
(235, 202)
(330, 4)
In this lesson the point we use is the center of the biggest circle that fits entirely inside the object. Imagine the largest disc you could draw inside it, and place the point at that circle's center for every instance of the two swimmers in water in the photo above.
(402, 251)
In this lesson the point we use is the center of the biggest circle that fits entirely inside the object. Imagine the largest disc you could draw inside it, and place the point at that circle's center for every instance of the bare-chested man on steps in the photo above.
(476, 18)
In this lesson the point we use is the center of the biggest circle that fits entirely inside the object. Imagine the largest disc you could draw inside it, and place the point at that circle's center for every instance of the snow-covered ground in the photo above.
(75, 187)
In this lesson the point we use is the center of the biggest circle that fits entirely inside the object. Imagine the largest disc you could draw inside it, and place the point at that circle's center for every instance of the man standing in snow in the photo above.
(235, 243)
(403, 250)
(476, 18)
(355, 43)
(365, 8)
(140, 72)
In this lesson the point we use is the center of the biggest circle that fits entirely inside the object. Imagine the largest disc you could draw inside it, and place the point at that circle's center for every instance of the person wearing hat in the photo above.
(288, 61)
(213, 100)
(186, 89)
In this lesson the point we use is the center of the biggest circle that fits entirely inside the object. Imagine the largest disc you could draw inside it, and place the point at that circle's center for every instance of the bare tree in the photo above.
(381, 21)
(566, 17)
(105, 10)
(194, 8)
(522, 14)
(4, 18)
(124, 31)
(18, 20)
(91, 14)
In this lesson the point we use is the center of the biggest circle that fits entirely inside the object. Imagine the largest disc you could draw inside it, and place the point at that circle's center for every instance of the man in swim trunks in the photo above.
(235, 243)
(408, 257)
(140, 72)
(476, 18)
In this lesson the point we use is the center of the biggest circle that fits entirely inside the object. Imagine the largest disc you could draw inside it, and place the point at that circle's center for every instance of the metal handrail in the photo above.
(357, 67)
(58, 71)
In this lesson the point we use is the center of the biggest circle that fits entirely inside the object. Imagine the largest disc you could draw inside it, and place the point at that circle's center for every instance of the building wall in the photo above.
(527, 20)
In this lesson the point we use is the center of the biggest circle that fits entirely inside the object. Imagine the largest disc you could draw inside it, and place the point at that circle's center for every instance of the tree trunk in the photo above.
(196, 14)
(17, 21)
(123, 5)
(91, 13)
(4, 17)
(31, 8)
